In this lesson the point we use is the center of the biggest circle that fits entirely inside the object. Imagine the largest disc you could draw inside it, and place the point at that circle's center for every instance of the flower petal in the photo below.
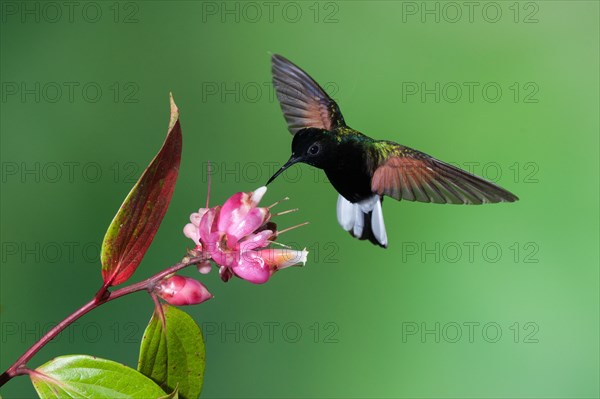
(253, 219)
(253, 241)
(208, 224)
(220, 252)
(234, 210)
(191, 232)
(281, 258)
(196, 217)
(252, 268)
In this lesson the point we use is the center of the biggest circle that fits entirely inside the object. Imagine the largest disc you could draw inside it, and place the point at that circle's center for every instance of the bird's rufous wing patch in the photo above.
(415, 176)
(303, 102)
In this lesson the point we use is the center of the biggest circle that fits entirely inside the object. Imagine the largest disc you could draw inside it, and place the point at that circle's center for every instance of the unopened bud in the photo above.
(204, 267)
(225, 273)
(179, 291)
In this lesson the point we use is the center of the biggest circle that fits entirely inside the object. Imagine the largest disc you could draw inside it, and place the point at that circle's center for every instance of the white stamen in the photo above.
(285, 212)
(291, 228)
(278, 202)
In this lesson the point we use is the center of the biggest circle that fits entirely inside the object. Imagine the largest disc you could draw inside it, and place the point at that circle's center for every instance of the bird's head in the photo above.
(312, 146)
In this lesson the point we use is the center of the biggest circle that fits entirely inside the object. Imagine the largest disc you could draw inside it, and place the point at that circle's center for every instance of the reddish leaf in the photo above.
(134, 226)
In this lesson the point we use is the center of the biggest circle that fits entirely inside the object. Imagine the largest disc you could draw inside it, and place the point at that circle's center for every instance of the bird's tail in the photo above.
(363, 220)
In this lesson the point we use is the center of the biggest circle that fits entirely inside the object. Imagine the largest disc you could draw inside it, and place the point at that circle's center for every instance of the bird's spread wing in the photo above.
(414, 176)
(303, 102)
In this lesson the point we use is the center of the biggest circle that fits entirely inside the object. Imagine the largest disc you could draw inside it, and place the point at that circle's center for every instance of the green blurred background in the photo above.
(488, 302)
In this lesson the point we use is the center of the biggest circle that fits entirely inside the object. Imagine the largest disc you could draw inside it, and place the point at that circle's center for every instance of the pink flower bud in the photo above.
(225, 273)
(204, 267)
(179, 291)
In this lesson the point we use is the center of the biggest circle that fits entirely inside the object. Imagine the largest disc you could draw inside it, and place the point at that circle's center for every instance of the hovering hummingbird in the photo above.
(362, 169)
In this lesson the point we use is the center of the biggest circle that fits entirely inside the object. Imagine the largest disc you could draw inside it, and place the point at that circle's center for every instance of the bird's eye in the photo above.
(313, 150)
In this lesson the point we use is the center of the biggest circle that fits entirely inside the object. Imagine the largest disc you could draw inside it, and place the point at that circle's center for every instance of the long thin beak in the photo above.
(289, 163)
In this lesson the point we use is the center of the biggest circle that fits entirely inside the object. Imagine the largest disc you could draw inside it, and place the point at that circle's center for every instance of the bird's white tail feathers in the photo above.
(364, 219)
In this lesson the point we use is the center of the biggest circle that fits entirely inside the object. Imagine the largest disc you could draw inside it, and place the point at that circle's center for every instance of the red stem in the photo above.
(18, 368)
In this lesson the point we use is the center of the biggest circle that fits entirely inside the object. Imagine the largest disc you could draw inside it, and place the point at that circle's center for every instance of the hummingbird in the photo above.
(361, 169)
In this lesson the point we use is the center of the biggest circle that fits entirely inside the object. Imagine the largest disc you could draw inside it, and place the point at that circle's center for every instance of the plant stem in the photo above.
(18, 368)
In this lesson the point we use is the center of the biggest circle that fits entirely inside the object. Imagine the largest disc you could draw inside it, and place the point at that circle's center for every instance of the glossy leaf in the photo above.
(81, 376)
(135, 224)
(175, 357)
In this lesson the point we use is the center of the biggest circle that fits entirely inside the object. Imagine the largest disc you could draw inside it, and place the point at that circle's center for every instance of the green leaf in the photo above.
(133, 228)
(81, 376)
(175, 357)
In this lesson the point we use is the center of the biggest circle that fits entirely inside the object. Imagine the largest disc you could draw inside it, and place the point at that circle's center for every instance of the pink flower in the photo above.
(179, 291)
(236, 237)
(190, 230)
(258, 266)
